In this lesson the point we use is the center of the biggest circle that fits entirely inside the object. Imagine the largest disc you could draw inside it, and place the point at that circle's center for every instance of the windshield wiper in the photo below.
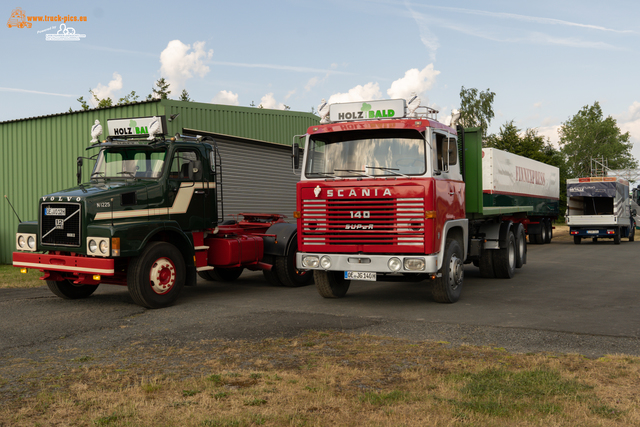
(322, 173)
(361, 173)
(133, 175)
(392, 170)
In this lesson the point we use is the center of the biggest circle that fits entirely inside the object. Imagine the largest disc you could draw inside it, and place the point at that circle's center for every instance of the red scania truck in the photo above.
(389, 193)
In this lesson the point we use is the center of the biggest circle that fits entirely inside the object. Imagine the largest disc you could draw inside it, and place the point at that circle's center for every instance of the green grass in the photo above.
(10, 277)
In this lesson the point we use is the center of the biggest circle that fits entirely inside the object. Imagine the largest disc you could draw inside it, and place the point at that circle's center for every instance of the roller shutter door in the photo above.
(257, 178)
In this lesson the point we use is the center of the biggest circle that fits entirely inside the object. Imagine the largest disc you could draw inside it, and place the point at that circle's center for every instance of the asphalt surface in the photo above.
(569, 299)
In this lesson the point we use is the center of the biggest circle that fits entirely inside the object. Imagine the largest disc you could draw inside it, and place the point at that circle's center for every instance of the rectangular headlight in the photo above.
(414, 264)
(26, 242)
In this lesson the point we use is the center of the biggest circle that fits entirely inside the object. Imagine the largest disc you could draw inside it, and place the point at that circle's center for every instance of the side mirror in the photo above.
(296, 156)
(79, 170)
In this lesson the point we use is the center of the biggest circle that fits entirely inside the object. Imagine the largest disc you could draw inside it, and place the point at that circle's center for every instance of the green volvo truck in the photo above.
(150, 219)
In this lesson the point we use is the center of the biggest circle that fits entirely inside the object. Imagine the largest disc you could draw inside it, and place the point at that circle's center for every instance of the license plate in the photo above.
(55, 211)
(592, 231)
(360, 275)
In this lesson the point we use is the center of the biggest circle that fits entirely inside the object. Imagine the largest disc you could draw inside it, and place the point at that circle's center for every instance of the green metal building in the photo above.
(39, 154)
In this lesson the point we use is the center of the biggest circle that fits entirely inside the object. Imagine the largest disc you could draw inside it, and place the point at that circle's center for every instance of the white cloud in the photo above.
(226, 97)
(413, 81)
(359, 93)
(103, 92)
(630, 122)
(550, 132)
(311, 83)
(268, 101)
(537, 105)
(428, 39)
(180, 63)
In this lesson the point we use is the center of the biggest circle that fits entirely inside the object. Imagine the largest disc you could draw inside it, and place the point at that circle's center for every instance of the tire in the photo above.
(287, 271)
(504, 260)
(535, 239)
(577, 239)
(594, 240)
(544, 233)
(67, 290)
(616, 237)
(447, 287)
(486, 264)
(331, 284)
(521, 247)
(632, 232)
(549, 231)
(271, 276)
(164, 263)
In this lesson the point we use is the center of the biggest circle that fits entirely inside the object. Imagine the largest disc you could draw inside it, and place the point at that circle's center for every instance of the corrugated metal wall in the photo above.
(38, 155)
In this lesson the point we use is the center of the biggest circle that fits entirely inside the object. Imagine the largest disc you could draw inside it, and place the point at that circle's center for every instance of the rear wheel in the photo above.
(156, 277)
(67, 290)
(616, 237)
(544, 233)
(504, 260)
(549, 231)
(331, 284)
(632, 232)
(485, 263)
(448, 286)
(521, 247)
(287, 271)
(577, 239)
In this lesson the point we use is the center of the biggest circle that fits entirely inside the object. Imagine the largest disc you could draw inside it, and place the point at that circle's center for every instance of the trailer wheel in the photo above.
(156, 277)
(632, 232)
(577, 239)
(67, 290)
(271, 276)
(504, 260)
(287, 271)
(486, 264)
(544, 233)
(448, 286)
(521, 245)
(331, 284)
(549, 227)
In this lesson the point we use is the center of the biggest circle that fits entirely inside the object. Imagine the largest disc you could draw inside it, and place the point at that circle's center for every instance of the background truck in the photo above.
(149, 220)
(389, 193)
(512, 180)
(599, 208)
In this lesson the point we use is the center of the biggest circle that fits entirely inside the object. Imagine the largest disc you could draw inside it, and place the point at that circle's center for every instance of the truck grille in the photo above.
(383, 221)
(60, 224)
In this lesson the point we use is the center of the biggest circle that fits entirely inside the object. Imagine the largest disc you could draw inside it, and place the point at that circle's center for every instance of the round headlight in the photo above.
(394, 264)
(21, 241)
(325, 262)
(93, 246)
(31, 241)
(104, 246)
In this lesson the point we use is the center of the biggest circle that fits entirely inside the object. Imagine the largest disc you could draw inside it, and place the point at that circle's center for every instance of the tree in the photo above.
(476, 108)
(102, 103)
(83, 103)
(184, 96)
(128, 99)
(588, 135)
(162, 92)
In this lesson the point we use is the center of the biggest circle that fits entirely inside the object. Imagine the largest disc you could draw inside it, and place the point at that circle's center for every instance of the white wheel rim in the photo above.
(162, 276)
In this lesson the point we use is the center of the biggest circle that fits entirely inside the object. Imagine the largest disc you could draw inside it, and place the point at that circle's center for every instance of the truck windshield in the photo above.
(383, 152)
(128, 162)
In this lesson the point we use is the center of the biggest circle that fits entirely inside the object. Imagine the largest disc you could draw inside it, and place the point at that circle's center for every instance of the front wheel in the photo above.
(448, 286)
(288, 272)
(67, 290)
(156, 277)
(331, 284)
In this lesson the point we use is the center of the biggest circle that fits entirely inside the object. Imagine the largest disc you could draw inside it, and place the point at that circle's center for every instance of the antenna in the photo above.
(14, 211)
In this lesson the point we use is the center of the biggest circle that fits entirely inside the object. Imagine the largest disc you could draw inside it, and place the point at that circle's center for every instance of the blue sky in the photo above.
(545, 60)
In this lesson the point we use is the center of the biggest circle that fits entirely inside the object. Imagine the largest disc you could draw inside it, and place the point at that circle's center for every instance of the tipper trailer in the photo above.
(389, 193)
(599, 208)
(148, 219)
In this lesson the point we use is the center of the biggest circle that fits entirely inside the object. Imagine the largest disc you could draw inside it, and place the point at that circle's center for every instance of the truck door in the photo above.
(186, 190)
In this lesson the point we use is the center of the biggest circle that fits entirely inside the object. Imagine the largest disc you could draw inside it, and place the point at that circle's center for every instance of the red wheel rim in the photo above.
(162, 276)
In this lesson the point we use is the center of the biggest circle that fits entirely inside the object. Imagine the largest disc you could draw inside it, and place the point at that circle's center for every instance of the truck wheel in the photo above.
(632, 232)
(616, 237)
(504, 260)
(67, 290)
(486, 264)
(521, 247)
(156, 277)
(287, 271)
(271, 276)
(448, 286)
(577, 239)
(544, 232)
(331, 284)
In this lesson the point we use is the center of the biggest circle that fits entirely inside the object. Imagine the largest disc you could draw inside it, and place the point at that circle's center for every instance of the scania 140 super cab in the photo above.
(388, 193)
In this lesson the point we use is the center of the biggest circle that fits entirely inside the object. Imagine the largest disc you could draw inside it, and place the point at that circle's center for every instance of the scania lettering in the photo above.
(402, 199)
(149, 219)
